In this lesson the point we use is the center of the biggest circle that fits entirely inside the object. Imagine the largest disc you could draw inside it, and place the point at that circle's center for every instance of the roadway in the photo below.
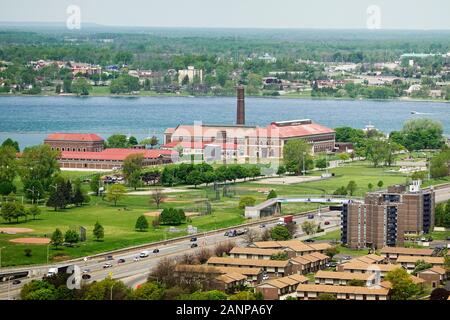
(133, 273)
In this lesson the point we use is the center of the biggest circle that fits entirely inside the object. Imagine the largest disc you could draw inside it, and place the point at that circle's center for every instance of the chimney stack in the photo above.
(240, 116)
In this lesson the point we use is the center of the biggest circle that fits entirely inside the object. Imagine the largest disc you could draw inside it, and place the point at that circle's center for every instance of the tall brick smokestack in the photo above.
(240, 115)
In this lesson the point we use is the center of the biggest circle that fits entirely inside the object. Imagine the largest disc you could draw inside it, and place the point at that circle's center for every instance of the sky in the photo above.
(325, 14)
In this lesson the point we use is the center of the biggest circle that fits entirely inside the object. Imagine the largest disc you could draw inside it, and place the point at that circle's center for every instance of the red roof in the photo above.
(89, 137)
(301, 130)
(115, 154)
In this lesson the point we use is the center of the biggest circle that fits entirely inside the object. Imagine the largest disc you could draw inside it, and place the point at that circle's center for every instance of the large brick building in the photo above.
(86, 151)
(386, 217)
(75, 142)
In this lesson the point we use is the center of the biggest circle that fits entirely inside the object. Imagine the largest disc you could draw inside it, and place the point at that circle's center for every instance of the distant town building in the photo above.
(386, 217)
(191, 73)
(267, 58)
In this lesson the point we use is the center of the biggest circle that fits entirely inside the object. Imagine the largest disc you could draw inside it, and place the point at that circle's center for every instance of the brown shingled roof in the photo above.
(342, 289)
(407, 251)
(248, 262)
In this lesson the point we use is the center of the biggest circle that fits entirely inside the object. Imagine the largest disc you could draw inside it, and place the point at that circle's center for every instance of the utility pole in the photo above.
(303, 162)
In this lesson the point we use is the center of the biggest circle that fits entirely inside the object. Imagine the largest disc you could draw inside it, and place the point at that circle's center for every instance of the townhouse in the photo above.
(281, 288)
(256, 253)
(343, 278)
(392, 253)
(297, 247)
(433, 276)
(355, 267)
(310, 263)
(273, 268)
(369, 259)
(409, 262)
(313, 292)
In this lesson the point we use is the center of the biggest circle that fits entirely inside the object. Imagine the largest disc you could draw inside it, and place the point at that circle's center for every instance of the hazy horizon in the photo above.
(248, 14)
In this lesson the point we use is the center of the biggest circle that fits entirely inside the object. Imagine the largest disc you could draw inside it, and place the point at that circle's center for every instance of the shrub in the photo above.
(246, 202)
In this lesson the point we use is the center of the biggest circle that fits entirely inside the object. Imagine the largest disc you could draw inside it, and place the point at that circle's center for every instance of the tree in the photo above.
(351, 187)
(376, 151)
(8, 164)
(321, 163)
(380, 184)
(57, 238)
(132, 141)
(124, 84)
(99, 231)
(195, 178)
(419, 134)
(81, 86)
(38, 290)
(246, 201)
(251, 236)
(296, 155)
(94, 184)
(421, 265)
(243, 295)
(7, 187)
(34, 211)
(272, 195)
(341, 191)
(439, 164)
(172, 216)
(331, 252)
(78, 195)
(39, 163)
(280, 256)
(309, 227)
(117, 141)
(141, 224)
(280, 233)
(115, 193)
(370, 186)
(107, 289)
(281, 170)
(11, 143)
(447, 263)
(403, 288)
(157, 197)
(8, 210)
(71, 237)
(148, 291)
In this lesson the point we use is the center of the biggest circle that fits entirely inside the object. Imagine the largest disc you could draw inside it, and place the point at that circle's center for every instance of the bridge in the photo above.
(273, 206)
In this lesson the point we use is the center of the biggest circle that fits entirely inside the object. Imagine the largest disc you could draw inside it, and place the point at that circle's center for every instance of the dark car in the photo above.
(193, 239)
(155, 250)
(194, 245)
(109, 258)
(310, 240)
(121, 261)
(327, 223)
(448, 238)
(16, 282)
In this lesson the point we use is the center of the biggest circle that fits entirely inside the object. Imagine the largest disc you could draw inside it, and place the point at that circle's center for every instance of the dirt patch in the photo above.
(31, 240)
(15, 230)
(152, 214)
(173, 200)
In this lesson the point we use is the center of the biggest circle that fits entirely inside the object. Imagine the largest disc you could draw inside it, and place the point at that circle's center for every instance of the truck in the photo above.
(56, 270)
(283, 221)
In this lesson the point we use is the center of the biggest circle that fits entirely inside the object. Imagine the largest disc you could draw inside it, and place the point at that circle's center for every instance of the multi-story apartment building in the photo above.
(386, 217)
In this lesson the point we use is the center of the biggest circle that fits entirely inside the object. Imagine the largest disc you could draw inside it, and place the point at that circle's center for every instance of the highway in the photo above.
(134, 273)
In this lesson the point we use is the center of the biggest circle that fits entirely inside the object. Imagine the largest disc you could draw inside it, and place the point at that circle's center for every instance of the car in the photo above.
(448, 238)
(193, 239)
(16, 282)
(310, 240)
(86, 271)
(265, 277)
(310, 216)
(327, 223)
(262, 226)
(155, 250)
(109, 258)
(144, 254)
(121, 261)
(86, 276)
(194, 245)
(107, 265)
(226, 233)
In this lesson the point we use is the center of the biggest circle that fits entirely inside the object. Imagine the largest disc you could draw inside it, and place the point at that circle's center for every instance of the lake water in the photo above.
(30, 119)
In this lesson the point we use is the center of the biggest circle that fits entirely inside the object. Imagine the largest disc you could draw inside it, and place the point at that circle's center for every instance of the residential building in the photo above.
(281, 288)
(255, 253)
(313, 291)
(359, 267)
(369, 259)
(392, 253)
(409, 262)
(309, 263)
(254, 275)
(273, 268)
(343, 278)
(191, 73)
(433, 276)
(298, 247)
(386, 217)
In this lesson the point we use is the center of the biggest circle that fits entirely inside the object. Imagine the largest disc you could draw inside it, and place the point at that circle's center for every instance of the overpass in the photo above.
(273, 206)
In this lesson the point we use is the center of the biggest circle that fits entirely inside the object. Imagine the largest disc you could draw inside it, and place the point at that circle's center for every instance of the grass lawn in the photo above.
(360, 172)
(333, 235)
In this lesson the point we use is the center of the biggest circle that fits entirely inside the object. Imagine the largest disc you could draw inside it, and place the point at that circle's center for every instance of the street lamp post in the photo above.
(1, 257)
(303, 162)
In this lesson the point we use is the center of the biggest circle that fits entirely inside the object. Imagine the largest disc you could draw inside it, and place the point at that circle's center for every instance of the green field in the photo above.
(119, 221)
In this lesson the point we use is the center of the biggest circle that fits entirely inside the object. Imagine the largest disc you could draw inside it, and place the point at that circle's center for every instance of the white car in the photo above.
(107, 265)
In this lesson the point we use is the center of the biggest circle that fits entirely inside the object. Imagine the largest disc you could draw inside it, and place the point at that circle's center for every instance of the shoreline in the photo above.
(229, 96)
